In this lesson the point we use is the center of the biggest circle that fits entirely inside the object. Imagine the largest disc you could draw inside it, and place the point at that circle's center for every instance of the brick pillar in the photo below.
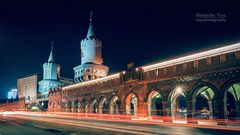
(166, 115)
(164, 111)
(87, 109)
(219, 110)
(100, 109)
(191, 111)
(149, 108)
(122, 108)
(64, 109)
(210, 109)
(111, 109)
(72, 109)
(142, 109)
(237, 103)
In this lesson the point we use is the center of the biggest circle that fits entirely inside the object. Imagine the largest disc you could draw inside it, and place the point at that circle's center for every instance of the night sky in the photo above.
(141, 32)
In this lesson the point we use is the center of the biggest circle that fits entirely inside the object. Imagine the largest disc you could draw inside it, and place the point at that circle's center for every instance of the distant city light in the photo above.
(12, 94)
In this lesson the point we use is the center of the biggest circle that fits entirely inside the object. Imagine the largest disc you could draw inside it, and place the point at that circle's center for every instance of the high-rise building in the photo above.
(28, 87)
(51, 75)
(91, 58)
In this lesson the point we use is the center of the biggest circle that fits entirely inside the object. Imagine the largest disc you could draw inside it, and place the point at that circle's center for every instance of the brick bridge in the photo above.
(202, 85)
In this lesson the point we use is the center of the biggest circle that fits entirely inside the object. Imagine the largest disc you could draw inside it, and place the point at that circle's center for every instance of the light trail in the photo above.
(100, 126)
(193, 57)
(39, 126)
(110, 77)
(160, 120)
(62, 115)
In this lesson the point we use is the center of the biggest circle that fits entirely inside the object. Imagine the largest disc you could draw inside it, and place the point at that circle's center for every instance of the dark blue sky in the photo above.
(142, 32)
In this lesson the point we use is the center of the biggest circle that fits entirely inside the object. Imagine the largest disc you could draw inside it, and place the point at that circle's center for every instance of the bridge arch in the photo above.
(64, 106)
(231, 95)
(77, 106)
(132, 104)
(54, 106)
(103, 105)
(154, 103)
(69, 106)
(84, 106)
(202, 97)
(114, 105)
(177, 102)
(35, 107)
(93, 105)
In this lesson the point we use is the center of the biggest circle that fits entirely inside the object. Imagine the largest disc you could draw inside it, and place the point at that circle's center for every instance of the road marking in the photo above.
(73, 134)
(39, 126)
(3, 120)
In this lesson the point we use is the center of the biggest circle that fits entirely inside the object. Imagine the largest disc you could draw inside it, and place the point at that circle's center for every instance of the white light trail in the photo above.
(193, 57)
(110, 77)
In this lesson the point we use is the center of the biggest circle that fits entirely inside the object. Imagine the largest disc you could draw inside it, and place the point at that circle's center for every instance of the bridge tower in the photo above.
(51, 75)
(91, 57)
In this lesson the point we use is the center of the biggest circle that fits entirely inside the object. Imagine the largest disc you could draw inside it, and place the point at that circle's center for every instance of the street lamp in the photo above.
(179, 90)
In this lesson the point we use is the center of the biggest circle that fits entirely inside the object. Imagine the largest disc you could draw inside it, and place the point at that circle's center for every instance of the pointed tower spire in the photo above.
(90, 29)
(91, 57)
(51, 59)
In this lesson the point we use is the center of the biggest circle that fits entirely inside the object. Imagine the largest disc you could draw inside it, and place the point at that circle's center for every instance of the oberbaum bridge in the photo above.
(201, 85)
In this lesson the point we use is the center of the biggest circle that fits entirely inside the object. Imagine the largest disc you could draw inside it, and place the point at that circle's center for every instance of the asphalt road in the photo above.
(18, 124)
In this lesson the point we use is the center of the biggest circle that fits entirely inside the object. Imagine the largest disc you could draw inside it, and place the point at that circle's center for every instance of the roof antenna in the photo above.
(91, 15)
(52, 45)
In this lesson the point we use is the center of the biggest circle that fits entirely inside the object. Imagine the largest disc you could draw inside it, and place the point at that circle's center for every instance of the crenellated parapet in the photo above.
(91, 41)
(55, 99)
(55, 91)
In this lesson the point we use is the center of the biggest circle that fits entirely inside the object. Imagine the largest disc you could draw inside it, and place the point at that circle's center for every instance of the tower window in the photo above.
(88, 70)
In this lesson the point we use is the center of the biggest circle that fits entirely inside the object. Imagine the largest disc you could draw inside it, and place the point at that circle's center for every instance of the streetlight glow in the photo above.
(179, 90)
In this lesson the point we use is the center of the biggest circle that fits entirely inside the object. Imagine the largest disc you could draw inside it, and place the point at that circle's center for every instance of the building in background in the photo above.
(12, 94)
(28, 87)
(66, 81)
